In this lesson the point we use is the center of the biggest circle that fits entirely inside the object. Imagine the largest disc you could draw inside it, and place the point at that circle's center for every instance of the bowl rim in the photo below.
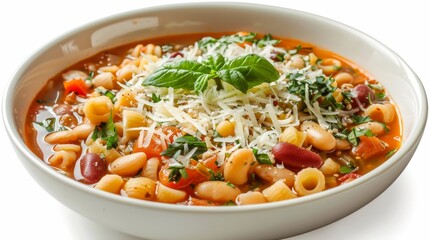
(18, 142)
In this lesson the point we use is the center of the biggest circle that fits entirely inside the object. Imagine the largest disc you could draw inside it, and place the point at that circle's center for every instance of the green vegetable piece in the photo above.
(48, 124)
(262, 158)
(181, 74)
(107, 132)
(179, 145)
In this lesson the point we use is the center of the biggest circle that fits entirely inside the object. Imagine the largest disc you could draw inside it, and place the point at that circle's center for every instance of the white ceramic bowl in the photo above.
(163, 221)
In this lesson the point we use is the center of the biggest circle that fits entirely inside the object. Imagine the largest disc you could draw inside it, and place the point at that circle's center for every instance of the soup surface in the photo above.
(214, 119)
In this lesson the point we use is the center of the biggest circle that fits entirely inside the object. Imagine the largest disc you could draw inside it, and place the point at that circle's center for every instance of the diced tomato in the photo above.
(171, 132)
(75, 85)
(194, 177)
(369, 147)
(348, 177)
(155, 146)
(211, 163)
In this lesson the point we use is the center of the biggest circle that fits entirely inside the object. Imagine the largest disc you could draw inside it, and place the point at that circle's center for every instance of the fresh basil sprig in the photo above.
(242, 73)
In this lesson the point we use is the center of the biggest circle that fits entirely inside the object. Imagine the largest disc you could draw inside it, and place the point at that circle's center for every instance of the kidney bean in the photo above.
(295, 158)
(92, 168)
(176, 54)
(363, 94)
(348, 177)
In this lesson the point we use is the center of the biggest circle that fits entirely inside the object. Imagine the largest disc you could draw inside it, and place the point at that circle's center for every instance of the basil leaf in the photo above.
(235, 78)
(201, 83)
(216, 62)
(181, 74)
(254, 68)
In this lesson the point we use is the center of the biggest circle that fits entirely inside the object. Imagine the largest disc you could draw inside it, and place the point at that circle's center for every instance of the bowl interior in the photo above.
(383, 64)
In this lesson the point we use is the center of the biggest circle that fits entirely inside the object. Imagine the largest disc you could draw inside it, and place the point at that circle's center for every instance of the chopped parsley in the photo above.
(107, 93)
(155, 98)
(230, 185)
(177, 172)
(48, 124)
(267, 39)
(320, 87)
(354, 135)
(90, 76)
(346, 169)
(357, 119)
(216, 176)
(391, 152)
(107, 132)
(380, 96)
(262, 158)
(296, 50)
(179, 146)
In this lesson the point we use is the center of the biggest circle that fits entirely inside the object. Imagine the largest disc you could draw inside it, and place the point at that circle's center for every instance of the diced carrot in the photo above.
(75, 85)
(369, 147)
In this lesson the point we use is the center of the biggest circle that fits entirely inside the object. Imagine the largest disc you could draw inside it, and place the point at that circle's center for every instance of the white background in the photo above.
(28, 212)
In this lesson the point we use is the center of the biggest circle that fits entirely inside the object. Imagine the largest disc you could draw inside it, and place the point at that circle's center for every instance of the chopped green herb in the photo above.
(262, 158)
(391, 152)
(267, 39)
(230, 185)
(155, 98)
(166, 48)
(346, 169)
(107, 132)
(179, 144)
(354, 135)
(357, 119)
(341, 135)
(321, 87)
(226, 40)
(376, 86)
(380, 96)
(110, 95)
(177, 172)
(385, 128)
(216, 176)
(90, 76)
(107, 93)
(48, 124)
(347, 96)
(296, 50)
